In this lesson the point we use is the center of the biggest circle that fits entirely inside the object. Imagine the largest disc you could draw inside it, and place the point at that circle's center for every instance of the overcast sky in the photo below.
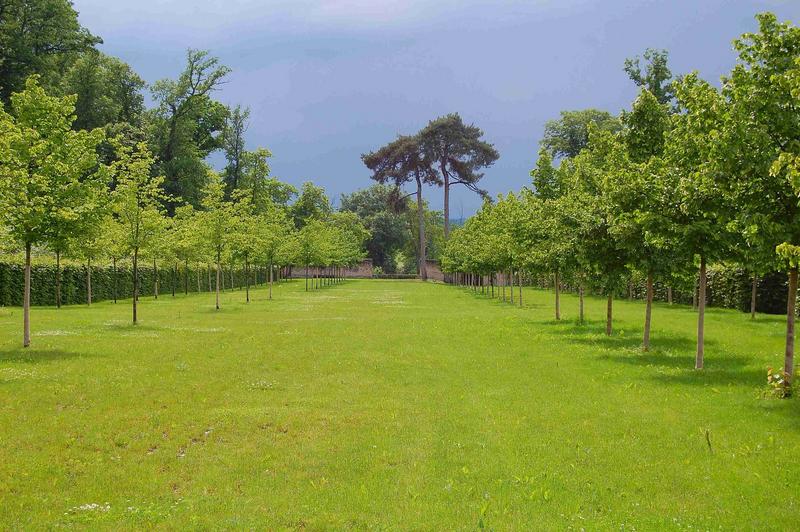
(329, 80)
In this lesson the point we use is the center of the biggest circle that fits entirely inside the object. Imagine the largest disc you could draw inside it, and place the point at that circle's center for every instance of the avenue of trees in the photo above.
(88, 173)
(691, 174)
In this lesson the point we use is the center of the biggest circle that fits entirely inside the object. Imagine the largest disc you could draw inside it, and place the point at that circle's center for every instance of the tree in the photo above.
(234, 145)
(108, 90)
(385, 221)
(568, 135)
(185, 240)
(218, 218)
(311, 204)
(137, 204)
(702, 213)
(458, 153)
(545, 178)
(49, 173)
(399, 162)
(265, 191)
(639, 198)
(275, 231)
(38, 37)
(186, 125)
(656, 76)
(764, 95)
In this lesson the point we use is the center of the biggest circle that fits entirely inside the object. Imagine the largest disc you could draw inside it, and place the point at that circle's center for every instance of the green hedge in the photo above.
(105, 282)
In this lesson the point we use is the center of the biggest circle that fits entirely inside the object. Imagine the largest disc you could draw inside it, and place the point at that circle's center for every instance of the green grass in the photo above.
(391, 405)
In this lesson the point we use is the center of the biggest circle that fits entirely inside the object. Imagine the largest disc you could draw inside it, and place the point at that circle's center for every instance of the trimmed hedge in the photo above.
(105, 282)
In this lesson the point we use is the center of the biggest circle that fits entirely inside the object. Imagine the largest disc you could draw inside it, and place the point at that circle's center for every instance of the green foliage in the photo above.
(568, 135)
(656, 77)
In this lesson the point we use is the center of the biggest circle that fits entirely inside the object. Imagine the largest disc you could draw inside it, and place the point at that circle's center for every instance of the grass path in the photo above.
(391, 404)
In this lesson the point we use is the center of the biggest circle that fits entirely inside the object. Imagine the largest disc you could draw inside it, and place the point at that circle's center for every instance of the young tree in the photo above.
(136, 203)
(275, 230)
(764, 95)
(49, 173)
(459, 154)
(218, 218)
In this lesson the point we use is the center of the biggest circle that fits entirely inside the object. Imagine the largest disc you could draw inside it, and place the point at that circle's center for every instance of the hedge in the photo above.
(105, 282)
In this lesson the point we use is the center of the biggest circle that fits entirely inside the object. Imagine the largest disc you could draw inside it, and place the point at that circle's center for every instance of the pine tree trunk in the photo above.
(753, 297)
(58, 279)
(701, 308)
(648, 309)
(557, 285)
(89, 282)
(423, 261)
(26, 299)
(135, 282)
(609, 314)
(446, 177)
(791, 301)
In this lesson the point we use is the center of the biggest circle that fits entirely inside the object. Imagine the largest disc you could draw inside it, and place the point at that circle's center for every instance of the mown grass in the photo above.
(391, 405)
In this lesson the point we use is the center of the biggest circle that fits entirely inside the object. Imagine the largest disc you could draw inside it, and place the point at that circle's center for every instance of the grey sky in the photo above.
(329, 80)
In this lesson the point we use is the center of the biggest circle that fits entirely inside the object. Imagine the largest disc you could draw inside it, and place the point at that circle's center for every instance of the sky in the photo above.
(329, 80)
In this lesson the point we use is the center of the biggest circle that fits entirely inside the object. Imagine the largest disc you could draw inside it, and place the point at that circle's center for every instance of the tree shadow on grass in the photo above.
(36, 356)
(592, 333)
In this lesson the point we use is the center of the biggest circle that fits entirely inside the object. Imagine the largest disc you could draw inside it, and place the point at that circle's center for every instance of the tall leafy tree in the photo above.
(38, 37)
(186, 125)
(654, 75)
(108, 90)
(311, 204)
(49, 174)
(459, 153)
(233, 142)
(568, 135)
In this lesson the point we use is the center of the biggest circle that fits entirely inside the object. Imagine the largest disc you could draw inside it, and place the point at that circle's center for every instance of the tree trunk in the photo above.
(174, 277)
(511, 284)
(89, 282)
(446, 177)
(557, 285)
(208, 271)
(270, 279)
(219, 267)
(701, 313)
(519, 284)
(580, 301)
(155, 279)
(306, 277)
(58, 279)
(788, 363)
(609, 314)
(648, 310)
(135, 282)
(114, 263)
(669, 295)
(753, 297)
(186, 277)
(199, 289)
(247, 280)
(26, 299)
(423, 261)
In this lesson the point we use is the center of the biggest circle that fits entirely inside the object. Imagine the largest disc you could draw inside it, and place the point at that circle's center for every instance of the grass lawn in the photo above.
(391, 404)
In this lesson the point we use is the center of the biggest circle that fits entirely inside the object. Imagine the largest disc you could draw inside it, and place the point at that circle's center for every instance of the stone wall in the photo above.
(434, 271)
(359, 271)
